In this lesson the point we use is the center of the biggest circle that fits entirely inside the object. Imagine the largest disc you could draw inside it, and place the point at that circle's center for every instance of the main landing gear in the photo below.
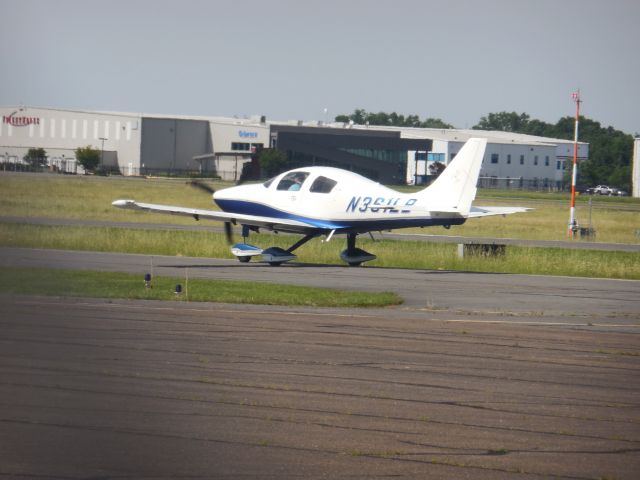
(355, 256)
(277, 256)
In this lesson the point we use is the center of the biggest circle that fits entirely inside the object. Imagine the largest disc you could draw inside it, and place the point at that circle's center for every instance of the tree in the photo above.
(88, 157)
(393, 119)
(272, 161)
(435, 123)
(610, 150)
(36, 157)
(503, 121)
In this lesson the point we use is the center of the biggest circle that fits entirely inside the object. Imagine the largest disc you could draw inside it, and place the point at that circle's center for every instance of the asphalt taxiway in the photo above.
(476, 295)
(478, 376)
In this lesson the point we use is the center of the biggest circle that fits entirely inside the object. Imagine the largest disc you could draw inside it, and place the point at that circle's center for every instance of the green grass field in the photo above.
(423, 255)
(89, 197)
(36, 281)
(80, 197)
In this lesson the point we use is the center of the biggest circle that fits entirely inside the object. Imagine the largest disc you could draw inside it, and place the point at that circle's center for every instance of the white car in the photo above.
(603, 190)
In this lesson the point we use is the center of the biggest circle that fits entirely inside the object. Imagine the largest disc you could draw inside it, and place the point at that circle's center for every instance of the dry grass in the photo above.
(90, 197)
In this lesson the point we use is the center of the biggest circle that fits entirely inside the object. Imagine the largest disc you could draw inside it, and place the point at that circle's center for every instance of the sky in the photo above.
(457, 60)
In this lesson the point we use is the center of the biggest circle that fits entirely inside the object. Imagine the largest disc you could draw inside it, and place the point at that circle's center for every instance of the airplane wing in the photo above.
(270, 223)
(476, 212)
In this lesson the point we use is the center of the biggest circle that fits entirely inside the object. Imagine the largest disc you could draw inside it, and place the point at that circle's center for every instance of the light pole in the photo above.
(102, 152)
(573, 223)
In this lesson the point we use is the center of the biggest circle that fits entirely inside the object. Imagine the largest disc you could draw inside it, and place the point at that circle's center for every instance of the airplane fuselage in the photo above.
(354, 203)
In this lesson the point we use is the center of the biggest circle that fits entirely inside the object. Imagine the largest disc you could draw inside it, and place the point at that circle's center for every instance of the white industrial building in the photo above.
(510, 160)
(134, 143)
(143, 144)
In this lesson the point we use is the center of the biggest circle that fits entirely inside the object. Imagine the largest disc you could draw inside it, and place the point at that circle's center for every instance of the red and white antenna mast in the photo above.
(573, 223)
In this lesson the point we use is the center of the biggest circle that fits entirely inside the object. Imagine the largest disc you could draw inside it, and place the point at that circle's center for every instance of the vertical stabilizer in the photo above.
(455, 188)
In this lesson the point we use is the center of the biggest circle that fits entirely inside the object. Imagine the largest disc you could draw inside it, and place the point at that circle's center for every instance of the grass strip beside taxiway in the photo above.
(393, 254)
(81, 283)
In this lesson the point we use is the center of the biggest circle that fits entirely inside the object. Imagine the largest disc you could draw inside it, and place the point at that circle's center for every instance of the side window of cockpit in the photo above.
(292, 181)
(322, 185)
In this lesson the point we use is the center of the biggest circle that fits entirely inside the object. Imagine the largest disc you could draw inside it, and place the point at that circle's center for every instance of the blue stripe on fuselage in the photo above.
(261, 210)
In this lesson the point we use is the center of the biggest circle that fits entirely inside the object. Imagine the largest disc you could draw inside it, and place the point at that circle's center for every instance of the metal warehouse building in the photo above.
(143, 144)
(135, 144)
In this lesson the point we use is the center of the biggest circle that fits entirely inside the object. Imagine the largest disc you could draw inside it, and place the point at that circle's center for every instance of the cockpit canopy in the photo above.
(294, 181)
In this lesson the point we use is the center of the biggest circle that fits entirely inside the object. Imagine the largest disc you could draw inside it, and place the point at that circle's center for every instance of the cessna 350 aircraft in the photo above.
(317, 201)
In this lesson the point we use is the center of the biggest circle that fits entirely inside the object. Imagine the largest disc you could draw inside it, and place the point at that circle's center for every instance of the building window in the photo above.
(435, 157)
(390, 156)
(546, 161)
(509, 159)
(243, 147)
(521, 159)
(535, 160)
(494, 158)
(558, 165)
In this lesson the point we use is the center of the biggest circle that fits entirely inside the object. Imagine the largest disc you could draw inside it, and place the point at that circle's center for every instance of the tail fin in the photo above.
(455, 188)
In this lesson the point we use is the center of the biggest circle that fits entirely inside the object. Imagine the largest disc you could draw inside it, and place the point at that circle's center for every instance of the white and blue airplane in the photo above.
(325, 201)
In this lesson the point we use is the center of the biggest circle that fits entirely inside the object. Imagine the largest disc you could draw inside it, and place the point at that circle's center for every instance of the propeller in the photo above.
(228, 229)
(228, 232)
(202, 186)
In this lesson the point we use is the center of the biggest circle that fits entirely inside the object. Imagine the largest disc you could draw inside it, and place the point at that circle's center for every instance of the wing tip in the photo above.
(123, 203)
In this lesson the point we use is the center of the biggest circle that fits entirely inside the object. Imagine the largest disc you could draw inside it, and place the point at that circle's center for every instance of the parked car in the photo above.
(619, 192)
(602, 190)
(579, 188)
